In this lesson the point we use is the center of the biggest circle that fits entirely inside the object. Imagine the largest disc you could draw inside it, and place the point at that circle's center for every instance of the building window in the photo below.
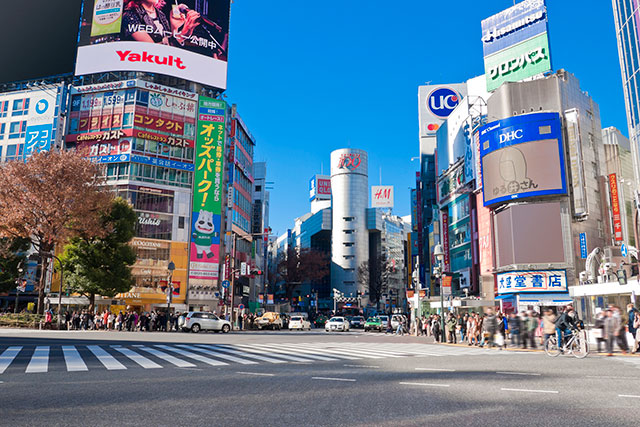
(17, 130)
(20, 107)
(258, 188)
(348, 218)
(348, 256)
(348, 244)
(181, 222)
(348, 231)
(4, 108)
(13, 152)
(2, 128)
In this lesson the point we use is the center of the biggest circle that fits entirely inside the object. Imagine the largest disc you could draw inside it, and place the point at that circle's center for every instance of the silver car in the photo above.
(337, 324)
(196, 321)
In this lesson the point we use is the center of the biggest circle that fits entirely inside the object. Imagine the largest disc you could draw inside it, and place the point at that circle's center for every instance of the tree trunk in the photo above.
(92, 302)
(43, 282)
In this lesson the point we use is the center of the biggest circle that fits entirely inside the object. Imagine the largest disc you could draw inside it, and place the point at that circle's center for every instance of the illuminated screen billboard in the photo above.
(522, 156)
(186, 39)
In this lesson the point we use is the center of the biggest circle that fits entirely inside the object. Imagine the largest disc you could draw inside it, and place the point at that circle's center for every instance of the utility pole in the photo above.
(170, 267)
(233, 276)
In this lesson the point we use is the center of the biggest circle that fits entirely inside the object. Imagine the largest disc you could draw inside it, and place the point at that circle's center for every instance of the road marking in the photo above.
(73, 360)
(194, 356)
(425, 384)
(529, 391)
(604, 377)
(139, 359)
(168, 357)
(436, 369)
(39, 360)
(250, 349)
(340, 350)
(519, 373)
(296, 350)
(362, 366)
(340, 353)
(259, 374)
(629, 395)
(7, 357)
(333, 379)
(109, 362)
(308, 354)
(218, 355)
(243, 354)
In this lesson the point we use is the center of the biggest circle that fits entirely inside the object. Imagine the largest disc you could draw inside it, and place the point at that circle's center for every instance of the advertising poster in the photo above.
(186, 39)
(204, 248)
(615, 207)
(532, 281)
(39, 132)
(382, 196)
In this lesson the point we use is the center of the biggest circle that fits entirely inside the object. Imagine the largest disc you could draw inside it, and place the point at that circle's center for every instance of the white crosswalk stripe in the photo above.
(154, 356)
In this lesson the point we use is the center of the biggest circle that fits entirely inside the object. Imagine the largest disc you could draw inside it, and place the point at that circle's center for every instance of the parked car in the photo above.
(385, 321)
(299, 322)
(269, 320)
(285, 320)
(373, 324)
(396, 319)
(337, 324)
(196, 321)
(356, 322)
(320, 321)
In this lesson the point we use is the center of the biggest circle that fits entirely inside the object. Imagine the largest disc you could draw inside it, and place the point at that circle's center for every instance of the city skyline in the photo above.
(281, 79)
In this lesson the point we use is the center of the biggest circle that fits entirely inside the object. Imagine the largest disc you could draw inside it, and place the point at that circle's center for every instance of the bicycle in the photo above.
(574, 344)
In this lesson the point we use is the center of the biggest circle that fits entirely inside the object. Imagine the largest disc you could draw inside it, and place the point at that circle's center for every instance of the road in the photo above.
(302, 378)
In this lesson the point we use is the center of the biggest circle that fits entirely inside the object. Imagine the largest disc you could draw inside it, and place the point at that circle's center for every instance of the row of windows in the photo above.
(240, 221)
(100, 124)
(16, 130)
(20, 107)
(171, 151)
(243, 181)
(244, 140)
(149, 202)
(629, 43)
(148, 173)
(14, 152)
(241, 201)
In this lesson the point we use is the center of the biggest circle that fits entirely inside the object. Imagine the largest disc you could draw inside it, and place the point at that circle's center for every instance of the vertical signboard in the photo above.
(583, 246)
(40, 125)
(576, 162)
(204, 248)
(445, 238)
(414, 209)
(382, 196)
(615, 207)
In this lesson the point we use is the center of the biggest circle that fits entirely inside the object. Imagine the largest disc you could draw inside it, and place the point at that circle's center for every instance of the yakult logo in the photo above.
(442, 101)
(510, 136)
(154, 59)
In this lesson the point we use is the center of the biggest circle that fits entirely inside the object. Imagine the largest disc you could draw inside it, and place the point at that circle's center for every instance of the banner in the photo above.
(382, 196)
(204, 248)
(615, 207)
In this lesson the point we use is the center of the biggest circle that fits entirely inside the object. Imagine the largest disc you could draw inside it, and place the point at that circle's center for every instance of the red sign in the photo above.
(164, 139)
(324, 186)
(109, 148)
(445, 238)
(266, 234)
(110, 135)
(158, 123)
(615, 207)
(349, 161)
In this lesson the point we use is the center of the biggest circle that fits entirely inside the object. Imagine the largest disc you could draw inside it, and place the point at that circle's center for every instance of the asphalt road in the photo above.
(304, 378)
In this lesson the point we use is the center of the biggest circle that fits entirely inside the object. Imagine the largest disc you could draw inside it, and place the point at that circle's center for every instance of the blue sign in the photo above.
(225, 284)
(512, 168)
(241, 307)
(623, 250)
(41, 106)
(516, 24)
(38, 138)
(442, 101)
(211, 111)
(114, 158)
(583, 246)
(173, 164)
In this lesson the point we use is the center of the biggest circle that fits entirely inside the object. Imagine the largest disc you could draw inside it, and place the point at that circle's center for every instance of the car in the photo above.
(356, 322)
(269, 320)
(320, 321)
(337, 324)
(196, 321)
(373, 324)
(385, 321)
(396, 319)
(299, 322)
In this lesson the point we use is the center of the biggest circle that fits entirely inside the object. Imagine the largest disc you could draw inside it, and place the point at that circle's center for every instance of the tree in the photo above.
(49, 199)
(96, 265)
(302, 265)
(12, 254)
(375, 274)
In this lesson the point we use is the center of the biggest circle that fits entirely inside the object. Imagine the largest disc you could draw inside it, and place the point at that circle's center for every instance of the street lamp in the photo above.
(170, 267)
(438, 253)
(51, 255)
(18, 285)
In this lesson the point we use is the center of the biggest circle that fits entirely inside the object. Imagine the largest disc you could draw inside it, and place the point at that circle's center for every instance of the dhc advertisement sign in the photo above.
(522, 156)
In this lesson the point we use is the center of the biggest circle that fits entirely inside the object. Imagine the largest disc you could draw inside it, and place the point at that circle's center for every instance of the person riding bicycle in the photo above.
(567, 322)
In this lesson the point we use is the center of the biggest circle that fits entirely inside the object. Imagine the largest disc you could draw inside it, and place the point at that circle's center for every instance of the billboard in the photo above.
(320, 188)
(204, 247)
(615, 207)
(532, 281)
(42, 120)
(382, 196)
(515, 43)
(186, 39)
(435, 103)
(522, 156)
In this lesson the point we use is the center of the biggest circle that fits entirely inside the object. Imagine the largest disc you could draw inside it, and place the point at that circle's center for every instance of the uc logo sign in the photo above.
(442, 101)
(41, 106)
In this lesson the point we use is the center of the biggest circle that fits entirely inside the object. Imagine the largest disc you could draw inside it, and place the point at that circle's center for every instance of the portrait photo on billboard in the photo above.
(182, 38)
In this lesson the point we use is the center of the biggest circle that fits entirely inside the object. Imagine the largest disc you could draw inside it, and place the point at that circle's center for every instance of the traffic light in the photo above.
(256, 272)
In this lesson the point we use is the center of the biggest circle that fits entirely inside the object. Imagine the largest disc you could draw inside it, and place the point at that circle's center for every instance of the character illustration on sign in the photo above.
(513, 170)
(203, 234)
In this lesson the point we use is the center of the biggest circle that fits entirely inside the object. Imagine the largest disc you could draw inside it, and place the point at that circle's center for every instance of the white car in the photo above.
(299, 322)
(196, 321)
(337, 324)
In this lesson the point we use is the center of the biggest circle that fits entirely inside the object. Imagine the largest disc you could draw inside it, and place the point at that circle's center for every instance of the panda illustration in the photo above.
(203, 234)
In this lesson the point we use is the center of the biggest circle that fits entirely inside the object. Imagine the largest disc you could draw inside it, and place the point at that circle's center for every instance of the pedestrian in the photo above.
(531, 326)
(491, 326)
(548, 324)
(435, 328)
(598, 330)
(611, 329)
(633, 325)
(514, 328)
(621, 337)
(462, 327)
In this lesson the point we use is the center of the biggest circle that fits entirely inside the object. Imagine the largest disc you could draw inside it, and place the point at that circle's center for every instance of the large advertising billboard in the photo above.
(435, 103)
(615, 207)
(532, 281)
(515, 43)
(186, 39)
(42, 120)
(382, 196)
(204, 248)
(522, 156)
(320, 188)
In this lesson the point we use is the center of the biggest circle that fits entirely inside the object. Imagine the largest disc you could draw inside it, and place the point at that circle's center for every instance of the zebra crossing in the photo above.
(82, 358)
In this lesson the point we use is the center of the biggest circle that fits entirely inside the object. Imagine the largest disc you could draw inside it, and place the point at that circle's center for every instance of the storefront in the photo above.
(589, 299)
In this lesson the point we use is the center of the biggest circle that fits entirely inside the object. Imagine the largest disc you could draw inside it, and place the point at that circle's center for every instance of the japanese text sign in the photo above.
(532, 281)
(615, 207)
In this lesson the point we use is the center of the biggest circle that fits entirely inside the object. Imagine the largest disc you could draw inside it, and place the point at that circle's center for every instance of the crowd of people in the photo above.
(84, 320)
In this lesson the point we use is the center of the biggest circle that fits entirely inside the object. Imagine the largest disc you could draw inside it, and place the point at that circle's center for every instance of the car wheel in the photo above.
(225, 329)
(195, 328)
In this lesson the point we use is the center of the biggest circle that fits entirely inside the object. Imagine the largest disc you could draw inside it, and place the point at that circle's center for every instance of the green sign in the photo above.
(518, 62)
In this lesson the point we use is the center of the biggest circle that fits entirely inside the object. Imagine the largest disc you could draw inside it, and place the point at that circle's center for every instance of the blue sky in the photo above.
(310, 77)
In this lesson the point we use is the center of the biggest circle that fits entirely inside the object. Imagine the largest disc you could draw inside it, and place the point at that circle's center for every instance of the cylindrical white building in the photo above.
(349, 236)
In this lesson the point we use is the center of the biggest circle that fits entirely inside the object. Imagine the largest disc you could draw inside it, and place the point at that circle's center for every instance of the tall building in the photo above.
(627, 21)
(260, 228)
(349, 200)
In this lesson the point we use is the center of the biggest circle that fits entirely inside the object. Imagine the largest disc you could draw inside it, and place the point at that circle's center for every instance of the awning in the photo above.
(505, 296)
(545, 299)
(69, 301)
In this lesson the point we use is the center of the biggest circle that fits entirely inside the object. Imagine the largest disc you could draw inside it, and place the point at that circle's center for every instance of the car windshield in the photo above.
(358, 318)
(296, 319)
(373, 319)
(336, 319)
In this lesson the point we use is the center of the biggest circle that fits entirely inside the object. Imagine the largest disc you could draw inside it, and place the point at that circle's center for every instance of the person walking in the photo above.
(611, 329)
(548, 324)
(621, 337)
(514, 328)
(598, 329)
(633, 325)
(531, 326)
(451, 328)
(491, 326)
